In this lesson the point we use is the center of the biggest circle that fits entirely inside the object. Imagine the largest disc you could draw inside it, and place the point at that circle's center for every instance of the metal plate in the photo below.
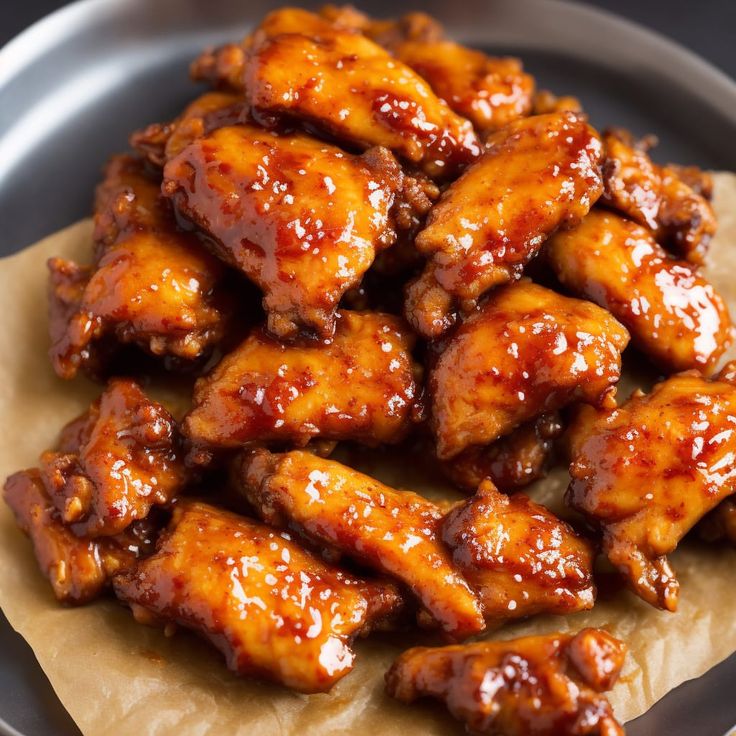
(73, 86)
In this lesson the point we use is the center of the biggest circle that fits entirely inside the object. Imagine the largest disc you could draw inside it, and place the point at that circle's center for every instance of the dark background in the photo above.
(708, 27)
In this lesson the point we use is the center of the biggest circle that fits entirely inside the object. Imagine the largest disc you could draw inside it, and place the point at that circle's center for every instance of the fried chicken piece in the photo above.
(393, 532)
(299, 217)
(489, 91)
(160, 142)
(300, 66)
(78, 568)
(360, 387)
(674, 315)
(687, 222)
(538, 174)
(127, 461)
(545, 102)
(545, 685)
(272, 608)
(720, 524)
(519, 557)
(645, 473)
(152, 285)
(512, 462)
(528, 350)
(658, 197)
(221, 67)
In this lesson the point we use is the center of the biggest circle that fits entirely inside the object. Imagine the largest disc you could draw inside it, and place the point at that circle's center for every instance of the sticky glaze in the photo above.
(395, 532)
(526, 351)
(674, 314)
(273, 609)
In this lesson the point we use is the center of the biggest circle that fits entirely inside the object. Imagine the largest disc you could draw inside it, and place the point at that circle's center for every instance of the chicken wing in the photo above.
(519, 557)
(546, 685)
(545, 102)
(360, 387)
(78, 568)
(127, 461)
(299, 217)
(538, 174)
(512, 462)
(658, 197)
(160, 142)
(673, 313)
(528, 350)
(272, 608)
(300, 66)
(394, 532)
(152, 285)
(646, 472)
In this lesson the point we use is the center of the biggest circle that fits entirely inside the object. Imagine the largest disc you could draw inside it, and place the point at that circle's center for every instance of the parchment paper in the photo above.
(117, 677)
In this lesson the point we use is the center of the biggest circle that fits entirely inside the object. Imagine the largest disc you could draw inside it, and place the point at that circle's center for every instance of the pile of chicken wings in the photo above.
(366, 233)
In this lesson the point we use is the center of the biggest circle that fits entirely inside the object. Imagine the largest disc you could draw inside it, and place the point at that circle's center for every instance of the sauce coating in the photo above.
(394, 532)
(126, 462)
(329, 76)
(361, 387)
(299, 217)
(675, 316)
(536, 686)
(272, 608)
(528, 350)
(151, 285)
(647, 472)
(537, 174)
(519, 557)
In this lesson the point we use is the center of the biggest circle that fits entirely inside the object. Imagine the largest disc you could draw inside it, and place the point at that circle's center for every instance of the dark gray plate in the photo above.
(74, 85)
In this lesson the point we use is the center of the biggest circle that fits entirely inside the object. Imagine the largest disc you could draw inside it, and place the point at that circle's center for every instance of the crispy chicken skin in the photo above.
(300, 218)
(518, 556)
(393, 532)
(126, 462)
(661, 198)
(272, 608)
(547, 685)
(673, 313)
(151, 285)
(512, 462)
(645, 473)
(528, 350)
(78, 568)
(161, 141)
(360, 387)
(538, 174)
(302, 67)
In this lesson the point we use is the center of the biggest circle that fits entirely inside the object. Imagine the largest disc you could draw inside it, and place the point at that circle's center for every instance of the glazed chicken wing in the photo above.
(300, 218)
(512, 462)
(161, 141)
(360, 387)
(518, 556)
(300, 66)
(661, 198)
(647, 472)
(673, 313)
(528, 350)
(546, 685)
(152, 285)
(78, 568)
(538, 174)
(394, 532)
(545, 102)
(126, 462)
(272, 608)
